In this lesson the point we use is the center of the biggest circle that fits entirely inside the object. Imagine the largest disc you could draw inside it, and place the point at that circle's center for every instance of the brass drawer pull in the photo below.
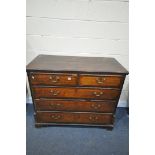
(93, 118)
(97, 94)
(100, 80)
(54, 92)
(55, 117)
(54, 78)
(96, 106)
(53, 105)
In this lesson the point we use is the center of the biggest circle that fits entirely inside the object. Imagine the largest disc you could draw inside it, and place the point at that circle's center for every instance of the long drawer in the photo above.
(77, 118)
(74, 105)
(85, 93)
(53, 79)
(112, 81)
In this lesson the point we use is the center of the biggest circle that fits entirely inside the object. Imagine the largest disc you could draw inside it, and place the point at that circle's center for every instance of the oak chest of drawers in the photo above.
(69, 90)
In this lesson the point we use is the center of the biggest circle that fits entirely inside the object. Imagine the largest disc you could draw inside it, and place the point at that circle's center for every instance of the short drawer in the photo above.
(85, 93)
(53, 79)
(77, 118)
(74, 105)
(114, 81)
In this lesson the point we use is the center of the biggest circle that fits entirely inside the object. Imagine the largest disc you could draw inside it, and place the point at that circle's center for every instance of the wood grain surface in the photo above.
(74, 105)
(76, 64)
(66, 117)
(87, 93)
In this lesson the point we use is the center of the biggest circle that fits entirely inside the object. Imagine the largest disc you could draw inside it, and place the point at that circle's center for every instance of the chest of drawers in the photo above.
(69, 90)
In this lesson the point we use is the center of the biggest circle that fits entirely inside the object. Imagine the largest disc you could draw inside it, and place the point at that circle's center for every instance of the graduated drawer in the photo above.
(75, 118)
(74, 105)
(85, 93)
(114, 81)
(53, 79)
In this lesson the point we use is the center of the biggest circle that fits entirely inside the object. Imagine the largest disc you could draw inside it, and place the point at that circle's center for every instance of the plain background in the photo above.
(95, 28)
(13, 77)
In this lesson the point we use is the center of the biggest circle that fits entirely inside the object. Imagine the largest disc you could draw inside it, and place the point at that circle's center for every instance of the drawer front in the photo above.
(101, 80)
(53, 79)
(68, 117)
(69, 105)
(54, 92)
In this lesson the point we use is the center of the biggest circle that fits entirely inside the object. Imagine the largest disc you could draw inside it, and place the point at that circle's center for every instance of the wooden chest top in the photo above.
(76, 64)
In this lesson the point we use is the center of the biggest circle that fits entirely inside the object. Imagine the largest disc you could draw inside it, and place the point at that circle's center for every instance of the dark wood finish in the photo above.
(53, 79)
(76, 64)
(85, 93)
(74, 105)
(111, 81)
(107, 126)
(69, 90)
(70, 117)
